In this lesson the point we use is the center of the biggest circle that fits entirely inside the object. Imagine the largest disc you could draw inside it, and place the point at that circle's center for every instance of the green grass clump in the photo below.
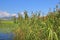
(35, 27)
(39, 28)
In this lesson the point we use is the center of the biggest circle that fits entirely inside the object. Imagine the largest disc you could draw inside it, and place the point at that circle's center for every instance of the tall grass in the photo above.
(35, 27)
(39, 28)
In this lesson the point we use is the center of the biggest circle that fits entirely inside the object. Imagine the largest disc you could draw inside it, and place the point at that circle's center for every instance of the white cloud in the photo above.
(22, 13)
(6, 14)
(3, 14)
(13, 14)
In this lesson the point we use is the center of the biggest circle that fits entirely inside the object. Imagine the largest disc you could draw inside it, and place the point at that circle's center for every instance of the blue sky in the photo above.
(15, 6)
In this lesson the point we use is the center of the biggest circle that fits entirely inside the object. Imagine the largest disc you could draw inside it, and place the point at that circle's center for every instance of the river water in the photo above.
(6, 36)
